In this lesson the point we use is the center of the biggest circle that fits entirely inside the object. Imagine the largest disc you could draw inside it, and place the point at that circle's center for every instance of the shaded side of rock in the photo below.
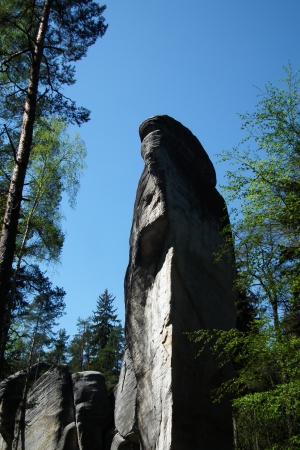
(120, 443)
(93, 412)
(173, 286)
(11, 391)
(68, 440)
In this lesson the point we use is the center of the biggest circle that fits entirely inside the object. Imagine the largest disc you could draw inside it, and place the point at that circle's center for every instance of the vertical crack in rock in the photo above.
(173, 286)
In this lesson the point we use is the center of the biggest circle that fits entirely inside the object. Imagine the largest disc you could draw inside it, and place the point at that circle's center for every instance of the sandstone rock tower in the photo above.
(172, 286)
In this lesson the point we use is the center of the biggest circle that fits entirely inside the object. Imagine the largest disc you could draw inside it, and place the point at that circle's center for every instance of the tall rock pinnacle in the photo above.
(173, 286)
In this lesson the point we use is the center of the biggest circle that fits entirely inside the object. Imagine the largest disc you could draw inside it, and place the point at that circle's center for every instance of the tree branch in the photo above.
(6, 61)
(11, 143)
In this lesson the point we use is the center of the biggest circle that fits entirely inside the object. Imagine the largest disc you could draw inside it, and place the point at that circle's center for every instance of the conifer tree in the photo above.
(80, 347)
(99, 342)
(41, 316)
(59, 352)
(55, 168)
(104, 319)
(39, 41)
(38, 307)
(109, 358)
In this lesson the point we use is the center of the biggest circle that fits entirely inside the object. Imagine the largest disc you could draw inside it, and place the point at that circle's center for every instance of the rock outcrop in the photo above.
(174, 286)
(93, 412)
(62, 413)
(125, 408)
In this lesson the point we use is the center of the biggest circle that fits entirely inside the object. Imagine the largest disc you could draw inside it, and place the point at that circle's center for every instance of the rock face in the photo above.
(92, 408)
(61, 413)
(125, 408)
(173, 286)
(51, 410)
(10, 396)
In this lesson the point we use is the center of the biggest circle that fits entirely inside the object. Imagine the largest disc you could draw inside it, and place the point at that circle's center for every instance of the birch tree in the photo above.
(54, 169)
(40, 39)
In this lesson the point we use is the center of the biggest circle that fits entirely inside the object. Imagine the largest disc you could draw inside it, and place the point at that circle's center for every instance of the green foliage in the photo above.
(58, 354)
(72, 28)
(104, 319)
(99, 342)
(80, 348)
(263, 188)
(108, 339)
(55, 168)
(109, 358)
(40, 41)
(266, 388)
(31, 331)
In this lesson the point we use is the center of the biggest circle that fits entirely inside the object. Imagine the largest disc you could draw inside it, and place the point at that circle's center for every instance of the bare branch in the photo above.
(11, 143)
(21, 52)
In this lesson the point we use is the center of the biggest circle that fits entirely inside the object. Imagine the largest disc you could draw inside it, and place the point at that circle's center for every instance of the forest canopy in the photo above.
(263, 188)
(40, 42)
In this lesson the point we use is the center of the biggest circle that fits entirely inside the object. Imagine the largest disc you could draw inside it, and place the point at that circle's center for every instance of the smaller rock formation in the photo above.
(93, 412)
(11, 391)
(62, 412)
(49, 411)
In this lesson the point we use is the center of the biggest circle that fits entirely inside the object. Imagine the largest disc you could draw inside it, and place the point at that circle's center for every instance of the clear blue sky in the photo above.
(195, 60)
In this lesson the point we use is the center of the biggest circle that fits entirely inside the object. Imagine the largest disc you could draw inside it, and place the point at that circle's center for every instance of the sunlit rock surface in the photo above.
(173, 286)
(61, 414)
(125, 409)
(51, 410)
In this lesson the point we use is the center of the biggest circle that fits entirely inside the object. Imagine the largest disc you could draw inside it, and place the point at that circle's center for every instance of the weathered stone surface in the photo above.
(173, 286)
(10, 396)
(69, 440)
(3, 445)
(51, 411)
(120, 443)
(94, 415)
(125, 410)
(11, 391)
(51, 422)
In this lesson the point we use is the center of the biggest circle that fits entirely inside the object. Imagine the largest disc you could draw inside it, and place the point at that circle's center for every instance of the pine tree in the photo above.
(108, 360)
(104, 319)
(99, 342)
(39, 40)
(41, 316)
(38, 306)
(58, 355)
(80, 347)
(107, 338)
(55, 168)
